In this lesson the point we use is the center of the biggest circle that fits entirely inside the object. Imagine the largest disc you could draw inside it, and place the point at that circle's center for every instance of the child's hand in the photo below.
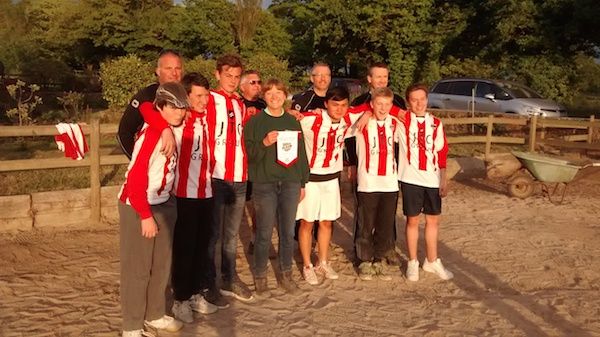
(149, 228)
(363, 120)
(168, 142)
(443, 187)
(270, 138)
(302, 194)
(297, 114)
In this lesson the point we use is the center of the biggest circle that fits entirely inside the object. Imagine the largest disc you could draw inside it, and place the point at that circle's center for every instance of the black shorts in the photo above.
(418, 199)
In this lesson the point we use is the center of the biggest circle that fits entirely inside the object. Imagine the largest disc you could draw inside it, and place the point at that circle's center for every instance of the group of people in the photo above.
(199, 156)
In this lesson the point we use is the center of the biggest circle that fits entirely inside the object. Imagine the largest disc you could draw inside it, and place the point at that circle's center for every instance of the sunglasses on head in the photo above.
(253, 82)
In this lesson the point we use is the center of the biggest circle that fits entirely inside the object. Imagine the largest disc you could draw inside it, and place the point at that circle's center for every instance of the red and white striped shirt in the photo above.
(423, 150)
(225, 117)
(150, 174)
(376, 171)
(192, 178)
(324, 139)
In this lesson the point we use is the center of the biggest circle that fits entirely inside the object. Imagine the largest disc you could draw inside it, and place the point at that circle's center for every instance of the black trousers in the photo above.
(191, 261)
(376, 222)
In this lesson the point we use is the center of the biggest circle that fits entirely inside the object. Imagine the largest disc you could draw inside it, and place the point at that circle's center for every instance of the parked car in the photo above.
(491, 96)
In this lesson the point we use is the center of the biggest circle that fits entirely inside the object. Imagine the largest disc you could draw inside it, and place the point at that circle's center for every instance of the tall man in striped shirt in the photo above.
(225, 118)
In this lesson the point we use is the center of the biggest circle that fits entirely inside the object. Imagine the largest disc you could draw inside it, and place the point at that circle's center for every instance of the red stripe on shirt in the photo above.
(315, 130)
(187, 142)
(382, 140)
(365, 134)
(421, 142)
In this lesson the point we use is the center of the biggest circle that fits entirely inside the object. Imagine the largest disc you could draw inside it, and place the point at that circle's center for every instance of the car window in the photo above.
(500, 93)
(483, 89)
(441, 88)
(519, 91)
(461, 88)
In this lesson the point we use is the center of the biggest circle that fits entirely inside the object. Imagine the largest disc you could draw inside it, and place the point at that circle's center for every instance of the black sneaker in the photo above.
(213, 296)
(238, 290)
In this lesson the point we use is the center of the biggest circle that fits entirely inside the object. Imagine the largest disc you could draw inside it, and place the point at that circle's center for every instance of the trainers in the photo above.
(213, 295)
(412, 271)
(366, 271)
(238, 290)
(380, 272)
(261, 287)
(393, 258)
(437, 268)
(182, 310)
(325, 269)
(308, 272)
(165, 323)
(136, 333)
(288, 284)
(201, 305)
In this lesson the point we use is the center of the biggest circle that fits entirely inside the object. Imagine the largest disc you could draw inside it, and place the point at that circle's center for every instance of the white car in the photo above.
(491, 96)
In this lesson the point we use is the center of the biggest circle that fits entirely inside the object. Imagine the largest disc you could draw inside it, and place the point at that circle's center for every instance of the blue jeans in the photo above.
(229, 200)
(275, 203)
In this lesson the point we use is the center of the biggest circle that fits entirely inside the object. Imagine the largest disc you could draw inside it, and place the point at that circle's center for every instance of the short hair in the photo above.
(173, 94)
(249, 72)
(337, 94)
(319, 64)
(230, 60)
(415, 87)
(377, 65)
(192, 79)
(167, 52)
(274, 83)
(382, 92)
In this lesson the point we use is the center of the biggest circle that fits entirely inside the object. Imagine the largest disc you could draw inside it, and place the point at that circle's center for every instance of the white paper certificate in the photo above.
(287, 147)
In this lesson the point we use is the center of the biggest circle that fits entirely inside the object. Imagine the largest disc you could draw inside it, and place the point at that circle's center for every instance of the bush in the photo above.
(203, 67)
(123, 77)
(269, 66)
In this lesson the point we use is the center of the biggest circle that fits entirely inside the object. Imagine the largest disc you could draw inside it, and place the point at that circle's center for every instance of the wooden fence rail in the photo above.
(94, 159)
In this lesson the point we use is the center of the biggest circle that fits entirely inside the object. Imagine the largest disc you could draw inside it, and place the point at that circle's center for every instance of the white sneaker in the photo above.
(133, 333)
(325, 269)
(412, 271)
(199, 304)
(437, 268)
(182, 310)
(308, 272)
(165, 323)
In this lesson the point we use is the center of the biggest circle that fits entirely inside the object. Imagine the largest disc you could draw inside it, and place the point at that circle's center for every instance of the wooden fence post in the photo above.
(532, 132)
(95, 210)
(488, 136)
(591, 130)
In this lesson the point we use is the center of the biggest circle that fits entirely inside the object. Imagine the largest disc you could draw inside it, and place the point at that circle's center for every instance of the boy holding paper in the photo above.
(278, 169)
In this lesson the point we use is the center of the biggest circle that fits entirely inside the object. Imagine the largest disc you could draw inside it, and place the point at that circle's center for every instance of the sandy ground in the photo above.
(522, 268)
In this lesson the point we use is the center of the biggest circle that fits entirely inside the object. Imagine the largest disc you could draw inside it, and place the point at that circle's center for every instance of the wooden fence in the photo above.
(94, 160)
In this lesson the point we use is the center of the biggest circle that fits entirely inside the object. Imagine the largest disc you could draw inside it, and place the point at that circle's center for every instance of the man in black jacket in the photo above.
(314, 98)
(169, 68)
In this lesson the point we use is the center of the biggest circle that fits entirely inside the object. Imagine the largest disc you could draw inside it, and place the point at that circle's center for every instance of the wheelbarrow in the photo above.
(552, 173)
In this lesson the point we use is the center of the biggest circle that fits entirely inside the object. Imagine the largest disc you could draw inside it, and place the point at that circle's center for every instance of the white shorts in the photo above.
(321, 201)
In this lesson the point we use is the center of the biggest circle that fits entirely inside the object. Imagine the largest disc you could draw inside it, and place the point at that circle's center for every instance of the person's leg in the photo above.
(324, 239)
(184, 249)
(287, 206)
(165, 215)
(412, 236)
(431, 236)
(305, 241)
(136, 261)
(265, 203)
(220, 192)
(413, 198)
(367, 212)
(384, 223)
(232, 219)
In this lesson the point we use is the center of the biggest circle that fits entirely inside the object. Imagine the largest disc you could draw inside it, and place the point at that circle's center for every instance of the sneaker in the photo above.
(366, 271)
(412, 271)
(165, 323)
(238, 290)
(380, 272)
(288, 284)
(182, 310)
(393, 258)
(325, 269)
(201, 305)
(213, 295)
(437, 268)
(308, 272)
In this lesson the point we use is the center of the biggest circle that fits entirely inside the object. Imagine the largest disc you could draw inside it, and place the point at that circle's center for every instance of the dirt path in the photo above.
(522, 268)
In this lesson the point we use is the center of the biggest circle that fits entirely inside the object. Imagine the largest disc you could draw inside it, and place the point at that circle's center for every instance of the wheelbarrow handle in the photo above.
(590, 165)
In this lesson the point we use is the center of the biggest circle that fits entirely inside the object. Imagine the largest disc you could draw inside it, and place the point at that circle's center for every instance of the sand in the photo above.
(522, 268)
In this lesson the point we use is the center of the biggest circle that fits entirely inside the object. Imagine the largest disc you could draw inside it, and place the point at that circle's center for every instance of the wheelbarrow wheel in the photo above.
(521, 186)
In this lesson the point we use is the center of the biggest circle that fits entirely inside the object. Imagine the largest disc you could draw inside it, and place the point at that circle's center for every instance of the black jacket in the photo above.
(308, 101)
(132, 120)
